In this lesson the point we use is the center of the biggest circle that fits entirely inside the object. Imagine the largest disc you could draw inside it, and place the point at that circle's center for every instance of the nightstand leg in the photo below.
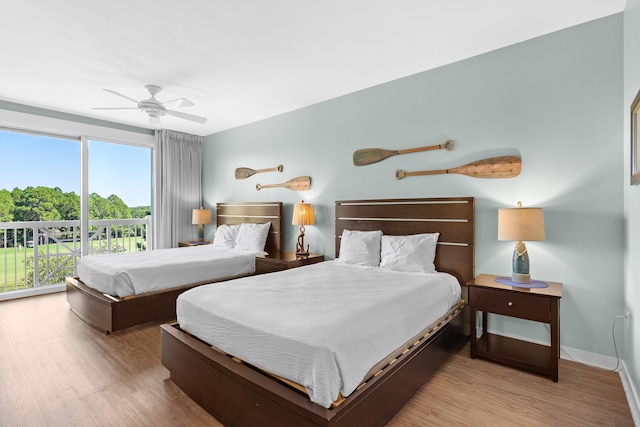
(555, 338)
(473, 333)
(485, 316)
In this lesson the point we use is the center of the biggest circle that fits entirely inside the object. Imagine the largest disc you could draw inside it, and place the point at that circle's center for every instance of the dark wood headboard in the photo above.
(256, 212)
(452, 217)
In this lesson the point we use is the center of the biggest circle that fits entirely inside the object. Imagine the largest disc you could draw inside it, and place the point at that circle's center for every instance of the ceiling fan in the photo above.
(156, 109)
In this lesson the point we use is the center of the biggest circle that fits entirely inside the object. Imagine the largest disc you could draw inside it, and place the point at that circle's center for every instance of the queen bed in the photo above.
(304, 371)
(114, 292)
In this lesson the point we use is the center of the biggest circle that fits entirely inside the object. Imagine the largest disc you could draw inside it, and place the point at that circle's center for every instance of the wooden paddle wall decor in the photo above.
(301, 183)
(367, 156)
(494, 167)
(244, 173)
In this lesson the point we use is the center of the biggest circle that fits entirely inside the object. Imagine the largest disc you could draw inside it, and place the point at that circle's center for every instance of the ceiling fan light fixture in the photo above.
(153, 109)
(156, 109)
(153, 113)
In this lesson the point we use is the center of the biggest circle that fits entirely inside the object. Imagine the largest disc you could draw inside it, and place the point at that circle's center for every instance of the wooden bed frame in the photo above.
(237, 394)
(109, 313)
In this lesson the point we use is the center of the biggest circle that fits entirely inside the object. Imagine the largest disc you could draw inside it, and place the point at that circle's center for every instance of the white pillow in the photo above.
(360, 247)
(252, 237)
(409, 253)
(225, 236)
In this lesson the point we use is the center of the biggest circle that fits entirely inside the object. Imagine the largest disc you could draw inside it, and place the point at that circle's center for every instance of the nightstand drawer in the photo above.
(514, 304)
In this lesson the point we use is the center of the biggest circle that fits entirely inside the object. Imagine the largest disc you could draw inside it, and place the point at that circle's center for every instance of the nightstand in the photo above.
(284, 261)
(536, 304)
(194, 243)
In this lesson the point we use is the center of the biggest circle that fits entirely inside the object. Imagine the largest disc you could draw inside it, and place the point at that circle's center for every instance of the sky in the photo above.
(35, 160)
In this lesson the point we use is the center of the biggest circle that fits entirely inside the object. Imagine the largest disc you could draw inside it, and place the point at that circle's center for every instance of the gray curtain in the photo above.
(178, 186)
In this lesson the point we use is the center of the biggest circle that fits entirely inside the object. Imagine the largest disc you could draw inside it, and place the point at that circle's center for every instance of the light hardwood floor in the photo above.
(57, 371)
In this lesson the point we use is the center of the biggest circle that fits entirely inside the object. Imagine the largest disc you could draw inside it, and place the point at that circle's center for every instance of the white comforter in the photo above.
(323, 326)
(134, 273)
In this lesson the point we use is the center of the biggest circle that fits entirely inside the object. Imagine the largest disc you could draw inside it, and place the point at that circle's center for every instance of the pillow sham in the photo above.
(409, 253)
(252, 237)
(225, 236)
(360, 247)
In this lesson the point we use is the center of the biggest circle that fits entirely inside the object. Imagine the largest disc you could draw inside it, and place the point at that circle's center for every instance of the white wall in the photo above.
(632, 197)
(556, 101)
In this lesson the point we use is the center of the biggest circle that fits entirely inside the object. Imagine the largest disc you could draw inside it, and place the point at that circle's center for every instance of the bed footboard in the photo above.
(89, 305)
(237, 394)
(109, 314)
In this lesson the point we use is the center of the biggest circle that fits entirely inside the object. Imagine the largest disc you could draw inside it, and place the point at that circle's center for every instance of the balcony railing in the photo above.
(36, 256)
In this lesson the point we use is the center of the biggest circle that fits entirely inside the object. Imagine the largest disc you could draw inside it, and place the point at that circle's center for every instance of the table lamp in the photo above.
(200, 217)
(302, 215)
(520, 224)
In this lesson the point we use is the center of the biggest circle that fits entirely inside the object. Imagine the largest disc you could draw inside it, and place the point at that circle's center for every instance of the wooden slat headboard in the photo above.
(256, 212)
(452, 217)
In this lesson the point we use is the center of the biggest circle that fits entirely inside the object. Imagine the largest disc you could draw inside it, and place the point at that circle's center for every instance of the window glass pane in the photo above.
(39, 184)
(35, 162)
(119, 188)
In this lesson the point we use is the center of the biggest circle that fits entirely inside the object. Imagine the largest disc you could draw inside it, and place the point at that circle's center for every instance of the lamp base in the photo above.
(300, 250)
(520, 264)
(521, 278)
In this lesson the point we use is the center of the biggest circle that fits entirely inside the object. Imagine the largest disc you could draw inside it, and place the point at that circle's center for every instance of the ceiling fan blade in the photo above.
(121, 95)
(186, 116)
(178, 103)
(114, 108)
(154, 120)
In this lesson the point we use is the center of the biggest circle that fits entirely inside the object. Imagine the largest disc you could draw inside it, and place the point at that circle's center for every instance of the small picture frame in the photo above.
(635, 155)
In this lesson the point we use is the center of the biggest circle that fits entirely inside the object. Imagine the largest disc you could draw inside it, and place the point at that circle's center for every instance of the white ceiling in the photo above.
(240, 61)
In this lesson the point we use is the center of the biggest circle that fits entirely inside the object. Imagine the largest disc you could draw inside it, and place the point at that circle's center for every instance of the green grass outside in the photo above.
(14, 259)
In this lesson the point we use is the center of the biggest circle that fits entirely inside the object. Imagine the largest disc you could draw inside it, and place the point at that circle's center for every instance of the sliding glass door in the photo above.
(39, 206)
(62, 197)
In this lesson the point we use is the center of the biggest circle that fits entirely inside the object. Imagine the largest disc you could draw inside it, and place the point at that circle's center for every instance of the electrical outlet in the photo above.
(627, 319)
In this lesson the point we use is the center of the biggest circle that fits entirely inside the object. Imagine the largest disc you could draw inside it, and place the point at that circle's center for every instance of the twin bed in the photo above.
(114, 292)
(339, 343)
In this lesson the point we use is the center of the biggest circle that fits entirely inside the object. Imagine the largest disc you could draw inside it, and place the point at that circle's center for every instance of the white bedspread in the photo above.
(134, 273)
(323, 326)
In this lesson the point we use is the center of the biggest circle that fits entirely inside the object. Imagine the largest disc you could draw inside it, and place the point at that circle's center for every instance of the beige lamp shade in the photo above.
(201, 216)
(303, 214)
(520, 224)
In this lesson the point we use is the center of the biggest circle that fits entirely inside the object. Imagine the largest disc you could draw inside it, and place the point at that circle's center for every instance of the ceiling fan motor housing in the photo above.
(152, 108)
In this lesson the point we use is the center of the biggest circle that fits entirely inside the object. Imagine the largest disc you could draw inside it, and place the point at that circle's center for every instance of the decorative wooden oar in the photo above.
(494, 167)
(243, 173)
(300, 183)
(367, 156)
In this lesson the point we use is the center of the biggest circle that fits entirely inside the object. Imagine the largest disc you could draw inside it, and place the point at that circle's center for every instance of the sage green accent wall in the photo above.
(631, 353)
(556, 101)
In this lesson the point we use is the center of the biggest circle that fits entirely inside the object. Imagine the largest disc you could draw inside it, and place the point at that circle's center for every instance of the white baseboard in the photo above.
(23, 293)
(608, 363)
(586, 358)
(632, 394)
(598, 361)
